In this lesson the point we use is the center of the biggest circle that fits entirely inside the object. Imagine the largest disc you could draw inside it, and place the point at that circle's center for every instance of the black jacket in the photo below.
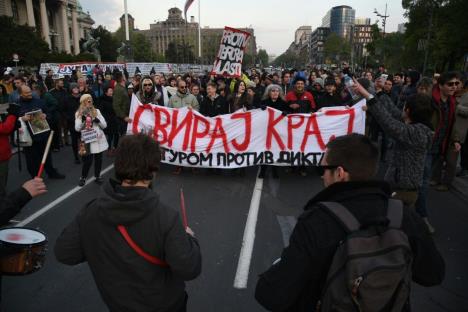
(328, 100)
(72, 104)
(212, 108)
(106, 107)
(12, 203)
(279, 104)
(126, 281)
(295, 283)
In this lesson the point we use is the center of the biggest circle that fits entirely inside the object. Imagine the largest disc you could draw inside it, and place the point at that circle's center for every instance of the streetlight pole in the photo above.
(384, 24)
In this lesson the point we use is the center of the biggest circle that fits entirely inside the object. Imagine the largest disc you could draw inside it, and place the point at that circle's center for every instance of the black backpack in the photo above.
(371, 268)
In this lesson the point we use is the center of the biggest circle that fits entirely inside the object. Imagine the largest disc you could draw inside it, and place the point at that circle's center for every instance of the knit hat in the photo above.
(319, 81)
(72, 86)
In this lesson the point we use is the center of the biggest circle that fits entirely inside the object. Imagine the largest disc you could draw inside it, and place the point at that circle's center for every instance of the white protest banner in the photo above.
(231, 53)
(65, 69)
(245, 138)
(145, 68)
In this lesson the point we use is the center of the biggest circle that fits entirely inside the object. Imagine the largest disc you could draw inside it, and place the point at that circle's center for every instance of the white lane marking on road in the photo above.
(243, 266)
(51, 205)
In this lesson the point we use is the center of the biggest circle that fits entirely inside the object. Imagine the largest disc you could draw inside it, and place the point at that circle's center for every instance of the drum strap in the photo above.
(138, 250)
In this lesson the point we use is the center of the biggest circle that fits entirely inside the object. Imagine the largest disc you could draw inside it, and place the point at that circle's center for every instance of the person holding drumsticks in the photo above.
(12, 203)
(90, 122)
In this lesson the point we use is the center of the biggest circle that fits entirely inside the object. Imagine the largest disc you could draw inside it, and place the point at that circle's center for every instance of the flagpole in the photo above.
(199, 31)
(127, 34)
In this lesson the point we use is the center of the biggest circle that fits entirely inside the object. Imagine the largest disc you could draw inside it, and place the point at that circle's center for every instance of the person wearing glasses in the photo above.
(296, 281)
(183, 98)
(444, 149)
(89, 120)
(148, 93)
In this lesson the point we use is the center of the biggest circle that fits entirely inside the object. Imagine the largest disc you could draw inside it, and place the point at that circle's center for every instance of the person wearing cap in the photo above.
(299, 100)
(148, 94)
(330, 97)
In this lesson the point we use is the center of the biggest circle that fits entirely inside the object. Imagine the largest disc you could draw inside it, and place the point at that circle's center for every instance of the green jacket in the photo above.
(121, 101)
(180, 100)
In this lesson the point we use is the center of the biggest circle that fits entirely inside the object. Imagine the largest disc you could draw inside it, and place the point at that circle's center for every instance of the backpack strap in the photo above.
(343, 215)
(395, 213)
(152, 259)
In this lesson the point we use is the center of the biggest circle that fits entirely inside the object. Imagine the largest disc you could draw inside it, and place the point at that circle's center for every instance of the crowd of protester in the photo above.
(419, 124)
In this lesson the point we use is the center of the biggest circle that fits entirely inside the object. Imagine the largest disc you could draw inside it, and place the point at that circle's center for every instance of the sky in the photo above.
(274, 21)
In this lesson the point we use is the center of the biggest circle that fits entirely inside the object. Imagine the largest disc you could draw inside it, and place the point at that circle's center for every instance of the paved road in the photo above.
(218, 206)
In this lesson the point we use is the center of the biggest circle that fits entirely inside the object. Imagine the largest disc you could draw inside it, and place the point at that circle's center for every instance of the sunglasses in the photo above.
(182, 87)
(321, 169)
(453, 83)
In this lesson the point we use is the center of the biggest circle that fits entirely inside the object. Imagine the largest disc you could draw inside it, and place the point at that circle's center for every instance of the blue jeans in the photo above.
(421, 203)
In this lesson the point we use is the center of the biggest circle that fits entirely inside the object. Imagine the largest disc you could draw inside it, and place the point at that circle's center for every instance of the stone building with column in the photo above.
(61, 23)
(176, 29)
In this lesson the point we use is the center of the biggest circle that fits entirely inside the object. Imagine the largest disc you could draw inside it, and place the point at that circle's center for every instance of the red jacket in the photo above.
(305, 100)
(6, 128)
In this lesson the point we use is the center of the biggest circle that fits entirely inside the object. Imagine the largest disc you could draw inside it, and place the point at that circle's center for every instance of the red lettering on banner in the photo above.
(160, 127)
(195, 133)
(175, 129)
(271, 131)
(218, 133)
(248, 131)
(137, 116)
(349, 112)
(312, 128)
(292, 126)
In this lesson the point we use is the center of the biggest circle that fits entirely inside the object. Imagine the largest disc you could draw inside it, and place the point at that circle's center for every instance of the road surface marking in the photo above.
(51, 205)
(243, 266)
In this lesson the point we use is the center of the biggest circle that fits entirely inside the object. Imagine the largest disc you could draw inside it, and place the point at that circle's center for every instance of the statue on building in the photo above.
(91, 45)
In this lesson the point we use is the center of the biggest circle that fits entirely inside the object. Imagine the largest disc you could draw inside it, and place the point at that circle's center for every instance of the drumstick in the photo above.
(46, 152)
(182, 208)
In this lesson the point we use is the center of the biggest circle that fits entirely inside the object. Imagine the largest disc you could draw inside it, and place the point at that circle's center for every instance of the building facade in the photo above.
(302, 35)
(317, 41)
(361, 37)
(340, 19)
(61, 23)
(176, 30)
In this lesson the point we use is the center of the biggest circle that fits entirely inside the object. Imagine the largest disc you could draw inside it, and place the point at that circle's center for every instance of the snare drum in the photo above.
(22, 250)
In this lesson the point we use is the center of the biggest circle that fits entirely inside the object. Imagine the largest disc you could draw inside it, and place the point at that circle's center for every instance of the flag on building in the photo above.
(188, 3)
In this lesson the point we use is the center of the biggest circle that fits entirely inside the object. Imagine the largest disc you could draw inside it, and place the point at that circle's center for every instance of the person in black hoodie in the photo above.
(150, 275)
(273, 98)
(213, 104)
(106, 107)
(72, 103)
(296, 281)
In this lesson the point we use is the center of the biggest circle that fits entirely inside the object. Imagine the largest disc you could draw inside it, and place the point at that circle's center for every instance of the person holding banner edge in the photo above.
(273, 98)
